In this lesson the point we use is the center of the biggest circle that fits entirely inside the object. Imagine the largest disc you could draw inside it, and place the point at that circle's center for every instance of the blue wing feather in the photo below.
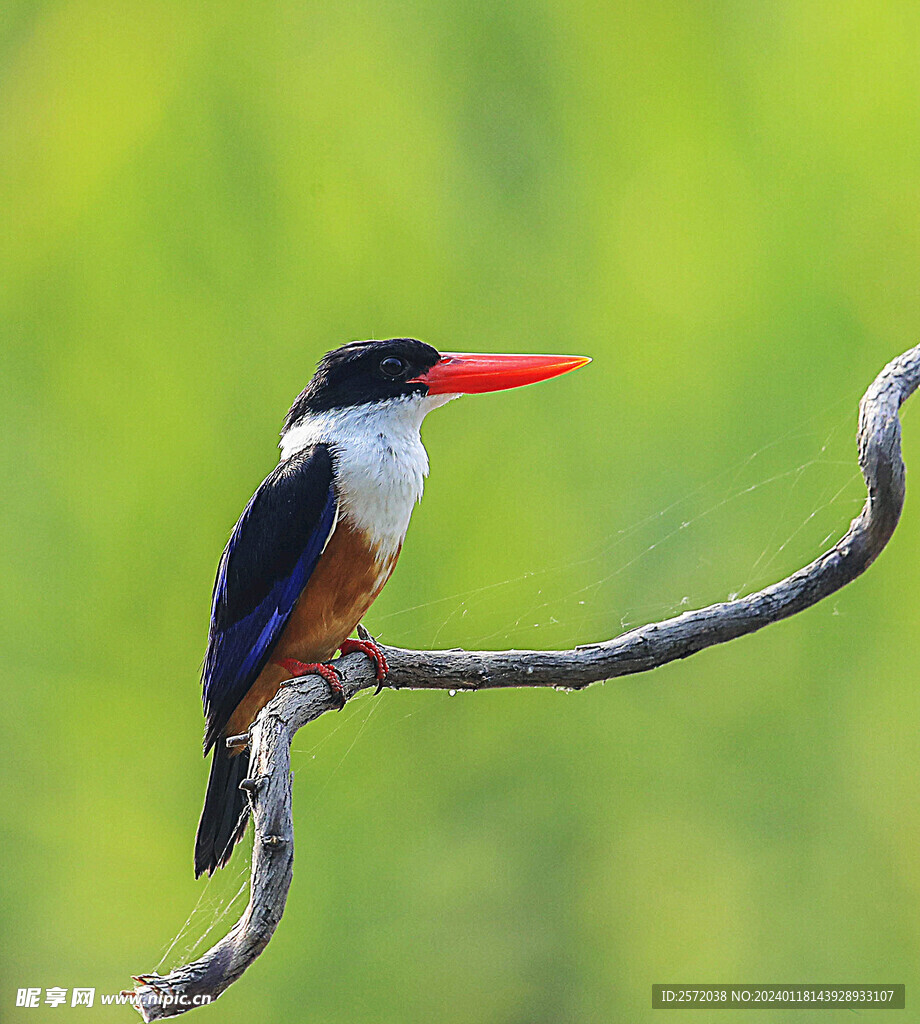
(269, 559)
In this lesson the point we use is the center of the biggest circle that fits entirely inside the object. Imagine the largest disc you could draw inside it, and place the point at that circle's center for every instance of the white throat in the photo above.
(379, 459)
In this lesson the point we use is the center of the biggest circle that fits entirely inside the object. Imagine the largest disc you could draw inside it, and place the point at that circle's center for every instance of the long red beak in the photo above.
(468, 374)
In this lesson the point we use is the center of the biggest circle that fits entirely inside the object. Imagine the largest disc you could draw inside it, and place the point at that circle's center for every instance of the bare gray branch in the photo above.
(269, 785)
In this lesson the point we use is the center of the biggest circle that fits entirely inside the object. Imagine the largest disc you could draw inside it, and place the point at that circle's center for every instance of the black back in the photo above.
(267, 562)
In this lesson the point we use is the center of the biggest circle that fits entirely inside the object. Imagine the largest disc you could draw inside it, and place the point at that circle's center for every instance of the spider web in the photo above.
(703, 538)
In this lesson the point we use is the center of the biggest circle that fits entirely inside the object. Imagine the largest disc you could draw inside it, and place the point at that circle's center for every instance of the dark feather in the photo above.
(352, 375)
(269, 559)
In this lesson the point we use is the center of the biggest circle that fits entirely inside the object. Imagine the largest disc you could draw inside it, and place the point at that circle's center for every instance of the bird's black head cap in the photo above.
(362, 372)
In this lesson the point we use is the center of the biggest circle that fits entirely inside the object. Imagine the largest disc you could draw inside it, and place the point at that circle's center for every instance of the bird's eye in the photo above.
(392, 367)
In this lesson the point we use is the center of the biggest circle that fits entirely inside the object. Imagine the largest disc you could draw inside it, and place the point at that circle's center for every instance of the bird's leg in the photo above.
(332, 677)
(368, 646)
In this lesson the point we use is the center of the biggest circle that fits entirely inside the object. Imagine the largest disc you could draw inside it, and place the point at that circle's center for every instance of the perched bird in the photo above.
(320, 537)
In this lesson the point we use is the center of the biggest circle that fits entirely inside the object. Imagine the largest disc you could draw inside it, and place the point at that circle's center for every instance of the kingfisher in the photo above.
(320, 538)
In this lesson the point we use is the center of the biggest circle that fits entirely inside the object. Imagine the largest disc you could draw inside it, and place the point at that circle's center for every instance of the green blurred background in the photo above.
(719, 203)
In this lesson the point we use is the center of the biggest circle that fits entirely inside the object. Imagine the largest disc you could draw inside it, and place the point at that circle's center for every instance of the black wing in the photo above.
(267, 562)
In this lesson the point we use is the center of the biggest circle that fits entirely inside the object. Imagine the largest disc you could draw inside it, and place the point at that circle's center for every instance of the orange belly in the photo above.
(348, 577)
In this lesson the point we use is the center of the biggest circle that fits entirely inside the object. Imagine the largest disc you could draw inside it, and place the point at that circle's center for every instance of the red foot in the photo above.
(373, 651)
(300, 668)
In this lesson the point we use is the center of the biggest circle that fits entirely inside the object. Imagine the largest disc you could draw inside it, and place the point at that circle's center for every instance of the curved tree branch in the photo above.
(641, 649)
